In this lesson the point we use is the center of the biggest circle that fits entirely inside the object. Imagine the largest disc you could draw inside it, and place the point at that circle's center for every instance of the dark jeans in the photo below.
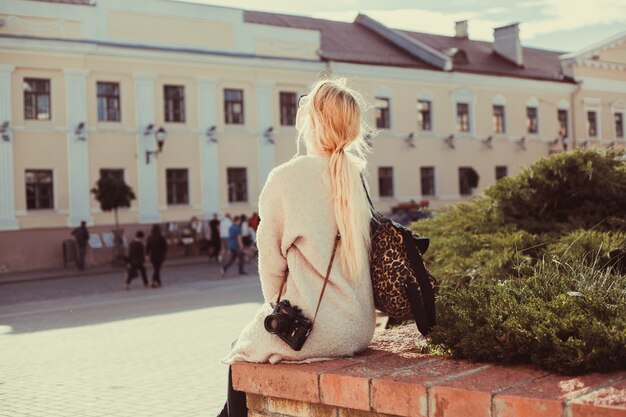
(80, 257)
(234, 254)
(236, 401)
(132, 273)
(156, 273)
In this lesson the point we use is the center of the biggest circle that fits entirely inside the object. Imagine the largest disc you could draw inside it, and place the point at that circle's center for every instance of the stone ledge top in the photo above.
(392, 377)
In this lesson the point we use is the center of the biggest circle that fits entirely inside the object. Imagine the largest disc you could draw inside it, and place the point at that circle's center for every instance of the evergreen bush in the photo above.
(527, 271)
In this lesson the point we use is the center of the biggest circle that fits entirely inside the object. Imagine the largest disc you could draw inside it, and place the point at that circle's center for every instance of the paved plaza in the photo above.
(82, 347)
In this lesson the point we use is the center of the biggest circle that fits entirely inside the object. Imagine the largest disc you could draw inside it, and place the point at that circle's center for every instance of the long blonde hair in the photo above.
(334, 127)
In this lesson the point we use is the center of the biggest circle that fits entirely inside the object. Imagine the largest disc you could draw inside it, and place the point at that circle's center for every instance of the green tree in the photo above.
(113, 194)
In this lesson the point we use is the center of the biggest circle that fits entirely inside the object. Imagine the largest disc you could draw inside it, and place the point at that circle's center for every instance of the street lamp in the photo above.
(80, 131)
(269, 134)
(160, 140)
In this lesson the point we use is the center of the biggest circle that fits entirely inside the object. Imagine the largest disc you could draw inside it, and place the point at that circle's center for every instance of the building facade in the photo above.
(86, 89)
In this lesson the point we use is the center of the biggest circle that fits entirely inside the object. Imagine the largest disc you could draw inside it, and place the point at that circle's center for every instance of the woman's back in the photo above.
(296, 234)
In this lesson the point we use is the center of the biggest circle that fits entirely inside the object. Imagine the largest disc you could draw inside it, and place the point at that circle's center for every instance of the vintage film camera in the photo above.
(288, 323)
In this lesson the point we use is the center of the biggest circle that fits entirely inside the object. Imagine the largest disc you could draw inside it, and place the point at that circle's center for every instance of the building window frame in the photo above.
(37, 98)
(592, 115)
(465, 187)
(177, 186)
(465, 97)
(501, 171)
(237, 184)
(288, 107)
(618, 122)
(424, 115)
(39, 190)
(234, 106)
(463, 118)
(532, 120)
(382, 106)
(386, 186)
(174, 103)
(499, 119)
(428, 186)
(109, 101)
(563, 128)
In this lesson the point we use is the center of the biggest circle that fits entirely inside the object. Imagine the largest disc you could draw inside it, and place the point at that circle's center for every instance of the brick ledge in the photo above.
(392, 379)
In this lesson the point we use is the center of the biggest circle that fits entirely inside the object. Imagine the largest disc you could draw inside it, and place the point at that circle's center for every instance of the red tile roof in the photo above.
(351, 42)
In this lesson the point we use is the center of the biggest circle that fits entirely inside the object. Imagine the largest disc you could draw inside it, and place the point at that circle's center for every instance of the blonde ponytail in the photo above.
(335, 129)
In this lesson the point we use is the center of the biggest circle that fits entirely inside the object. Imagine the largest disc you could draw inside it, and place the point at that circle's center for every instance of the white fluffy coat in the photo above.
(296, 234)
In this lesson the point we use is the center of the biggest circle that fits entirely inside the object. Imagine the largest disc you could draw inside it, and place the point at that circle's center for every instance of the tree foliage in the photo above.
(113, 194)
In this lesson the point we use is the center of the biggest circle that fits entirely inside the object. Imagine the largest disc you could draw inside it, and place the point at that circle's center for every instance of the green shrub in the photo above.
(524, 270)
(572, 190)
(569, 318)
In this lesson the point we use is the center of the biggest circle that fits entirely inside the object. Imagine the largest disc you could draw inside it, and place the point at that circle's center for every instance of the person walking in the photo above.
(156, 248)
(312, 208)
(235, 245)
(81, 235)
(225, 234)
(215, 243)
(135, 259)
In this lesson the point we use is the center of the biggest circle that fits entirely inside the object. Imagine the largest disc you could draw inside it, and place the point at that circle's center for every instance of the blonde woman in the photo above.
(305, 203)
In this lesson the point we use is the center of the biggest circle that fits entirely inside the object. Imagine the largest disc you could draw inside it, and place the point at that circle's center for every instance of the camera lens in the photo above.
(272, 323)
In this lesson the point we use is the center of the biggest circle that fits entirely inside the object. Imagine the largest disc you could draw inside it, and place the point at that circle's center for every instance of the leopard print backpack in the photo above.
(402, 286)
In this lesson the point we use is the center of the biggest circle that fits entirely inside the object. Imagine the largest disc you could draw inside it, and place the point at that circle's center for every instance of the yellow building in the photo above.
(86, 88)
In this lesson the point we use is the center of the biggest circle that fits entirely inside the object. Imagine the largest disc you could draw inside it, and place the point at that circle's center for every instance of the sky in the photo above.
(561, 25)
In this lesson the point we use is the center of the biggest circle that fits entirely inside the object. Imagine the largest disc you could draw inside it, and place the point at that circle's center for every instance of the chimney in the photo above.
(460, 29)
(506, 43)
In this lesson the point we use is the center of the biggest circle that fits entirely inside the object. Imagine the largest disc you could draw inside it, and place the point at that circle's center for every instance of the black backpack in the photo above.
(401, 284)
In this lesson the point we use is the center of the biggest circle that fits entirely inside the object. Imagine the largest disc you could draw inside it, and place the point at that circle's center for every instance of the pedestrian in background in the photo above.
(81, 234)
(215, 243)
(156, 248)
(135, 260)
(224, 234)
(235, 245)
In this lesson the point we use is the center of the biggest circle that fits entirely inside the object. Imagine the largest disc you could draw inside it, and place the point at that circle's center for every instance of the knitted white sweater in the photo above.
(296, 233)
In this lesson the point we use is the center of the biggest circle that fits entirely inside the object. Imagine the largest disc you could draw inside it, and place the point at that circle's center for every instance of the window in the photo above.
(288, 109)
(462, 117)
(39, 189)
(423, 115)
(385, 181)
(563, 122)
(427, 176)
(108, 102)
(237, 185)
(37, 99)
(619, 125)
(177, 186)
(468, 179)
(501, 172)
(498, 119)
(592, 126)
(174, 103)
(382, 113)
(532, 125)
(233, 106)
(114, 174)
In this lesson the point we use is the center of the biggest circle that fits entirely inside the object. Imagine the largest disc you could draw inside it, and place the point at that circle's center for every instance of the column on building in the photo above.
(77, 146)
(265, 120)
(8, 220)
(209, 161)
(147, 191)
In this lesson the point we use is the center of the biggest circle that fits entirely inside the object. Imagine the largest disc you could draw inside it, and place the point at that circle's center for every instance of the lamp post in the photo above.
(160, 140)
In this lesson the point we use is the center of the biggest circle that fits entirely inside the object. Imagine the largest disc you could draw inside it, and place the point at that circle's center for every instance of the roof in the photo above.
(355, 43)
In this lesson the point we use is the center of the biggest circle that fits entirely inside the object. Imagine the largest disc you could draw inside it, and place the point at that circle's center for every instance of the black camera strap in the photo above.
(330, 266)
